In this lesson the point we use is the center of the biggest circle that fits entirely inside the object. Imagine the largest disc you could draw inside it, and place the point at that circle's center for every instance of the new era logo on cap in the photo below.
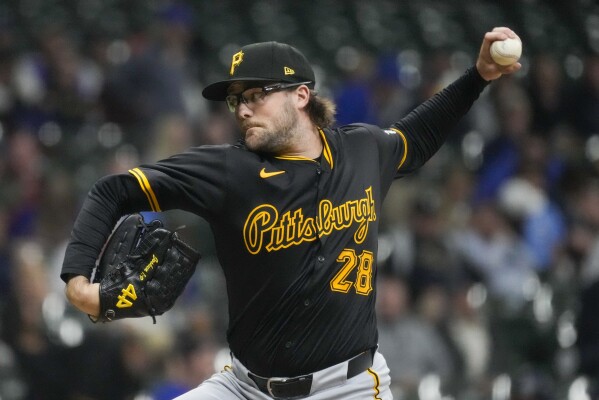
(268, 62)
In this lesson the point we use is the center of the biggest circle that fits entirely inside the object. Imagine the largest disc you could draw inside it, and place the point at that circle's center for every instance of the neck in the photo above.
(313, 143)
(309, 143)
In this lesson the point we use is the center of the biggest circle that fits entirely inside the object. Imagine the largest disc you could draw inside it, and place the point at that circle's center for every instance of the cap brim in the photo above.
(217, 91)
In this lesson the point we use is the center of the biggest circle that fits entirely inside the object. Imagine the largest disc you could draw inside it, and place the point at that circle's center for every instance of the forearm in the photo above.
(100, 211)
(106, 202)
(427, 127)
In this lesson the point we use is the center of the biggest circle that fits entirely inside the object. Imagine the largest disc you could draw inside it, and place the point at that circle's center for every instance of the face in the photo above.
(268, 125)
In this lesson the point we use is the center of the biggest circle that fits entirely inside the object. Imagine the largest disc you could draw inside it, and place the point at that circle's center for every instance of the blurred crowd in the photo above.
(488, 271)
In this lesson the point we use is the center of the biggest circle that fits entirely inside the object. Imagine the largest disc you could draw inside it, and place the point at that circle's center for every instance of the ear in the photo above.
(303, 96)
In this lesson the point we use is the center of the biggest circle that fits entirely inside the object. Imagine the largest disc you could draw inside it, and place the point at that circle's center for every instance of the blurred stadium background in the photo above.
(489, 256)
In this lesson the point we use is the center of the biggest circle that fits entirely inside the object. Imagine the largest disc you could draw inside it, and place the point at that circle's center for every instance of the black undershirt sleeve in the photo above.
(428, 125)
(101, 210)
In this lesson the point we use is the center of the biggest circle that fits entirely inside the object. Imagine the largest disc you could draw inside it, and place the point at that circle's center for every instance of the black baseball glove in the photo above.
(142, 270)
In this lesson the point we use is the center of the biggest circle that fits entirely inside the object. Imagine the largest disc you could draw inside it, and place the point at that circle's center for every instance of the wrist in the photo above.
(83, 295)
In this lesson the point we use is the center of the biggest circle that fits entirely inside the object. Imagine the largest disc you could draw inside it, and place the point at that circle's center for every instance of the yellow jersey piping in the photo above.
(147, 189)
(326, 150)
(376, 383)
(295, 158)
(405, 143)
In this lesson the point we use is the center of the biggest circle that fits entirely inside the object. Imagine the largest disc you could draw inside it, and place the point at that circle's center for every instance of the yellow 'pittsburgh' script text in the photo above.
(293, 227)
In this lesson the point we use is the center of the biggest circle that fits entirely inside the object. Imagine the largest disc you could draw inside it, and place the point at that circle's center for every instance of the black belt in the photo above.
(300, 386)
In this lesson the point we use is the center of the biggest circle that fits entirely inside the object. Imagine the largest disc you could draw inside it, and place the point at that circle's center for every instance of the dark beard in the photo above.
(282, 140)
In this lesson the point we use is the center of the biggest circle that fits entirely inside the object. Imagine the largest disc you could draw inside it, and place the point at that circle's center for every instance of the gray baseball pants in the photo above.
(328, 384)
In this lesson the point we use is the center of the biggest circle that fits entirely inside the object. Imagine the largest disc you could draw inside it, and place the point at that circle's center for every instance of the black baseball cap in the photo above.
(264, 62)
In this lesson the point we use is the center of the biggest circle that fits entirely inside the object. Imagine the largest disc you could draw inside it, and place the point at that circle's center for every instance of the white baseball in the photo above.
(506, 52)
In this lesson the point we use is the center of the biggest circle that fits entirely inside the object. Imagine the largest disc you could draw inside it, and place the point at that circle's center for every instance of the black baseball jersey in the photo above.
(296, 237)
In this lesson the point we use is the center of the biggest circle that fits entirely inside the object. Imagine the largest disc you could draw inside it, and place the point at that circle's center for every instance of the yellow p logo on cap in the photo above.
(237, 59)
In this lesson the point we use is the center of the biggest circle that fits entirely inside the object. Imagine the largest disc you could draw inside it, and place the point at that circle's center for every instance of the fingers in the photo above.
(498, 33)
(487, 68)
(510, 69)
(501, 33)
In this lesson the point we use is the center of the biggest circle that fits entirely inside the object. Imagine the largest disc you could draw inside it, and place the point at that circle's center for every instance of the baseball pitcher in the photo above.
(295, 208)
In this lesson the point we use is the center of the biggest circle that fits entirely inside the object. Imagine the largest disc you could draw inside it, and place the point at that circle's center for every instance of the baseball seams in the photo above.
(500, 50)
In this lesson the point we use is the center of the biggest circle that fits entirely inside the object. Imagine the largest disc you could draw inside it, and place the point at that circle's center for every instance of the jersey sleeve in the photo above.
(193, 181)
(415, 138)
